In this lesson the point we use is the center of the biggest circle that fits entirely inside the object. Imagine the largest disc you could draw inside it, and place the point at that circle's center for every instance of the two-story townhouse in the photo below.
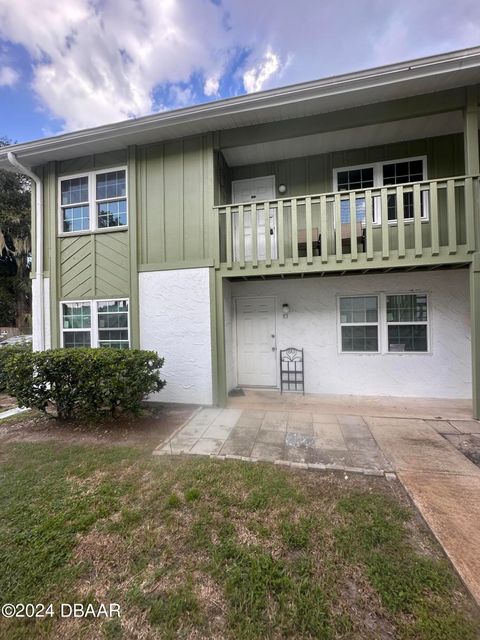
(340, 216)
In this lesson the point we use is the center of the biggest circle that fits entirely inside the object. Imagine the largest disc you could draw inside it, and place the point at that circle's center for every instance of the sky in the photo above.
(70, 64)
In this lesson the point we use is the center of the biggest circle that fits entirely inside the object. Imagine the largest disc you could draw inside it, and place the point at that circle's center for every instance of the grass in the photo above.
(217, 549)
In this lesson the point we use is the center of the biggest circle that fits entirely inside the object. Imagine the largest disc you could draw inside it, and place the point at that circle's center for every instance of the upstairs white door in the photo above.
(256, 342)
(255, 190)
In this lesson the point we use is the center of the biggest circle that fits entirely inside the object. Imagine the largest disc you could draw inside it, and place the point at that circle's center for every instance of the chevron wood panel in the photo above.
(112, 265)
(76, 267)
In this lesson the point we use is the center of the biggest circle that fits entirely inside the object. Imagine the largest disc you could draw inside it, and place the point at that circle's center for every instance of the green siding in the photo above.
(223, 179)
(111, 265)
(94, 266)
(175, 202)
(314, 174)
(75, 267)
(93, 162)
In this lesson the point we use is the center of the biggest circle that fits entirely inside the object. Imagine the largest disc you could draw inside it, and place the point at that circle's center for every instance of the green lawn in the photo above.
(198, 548)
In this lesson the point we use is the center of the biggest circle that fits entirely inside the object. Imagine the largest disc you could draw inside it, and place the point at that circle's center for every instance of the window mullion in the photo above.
(91, 196)
(94, 313)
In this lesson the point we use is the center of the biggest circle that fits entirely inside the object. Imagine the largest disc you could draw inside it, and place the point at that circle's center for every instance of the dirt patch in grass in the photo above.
(6, 402)
(197, 548)
(153, 426)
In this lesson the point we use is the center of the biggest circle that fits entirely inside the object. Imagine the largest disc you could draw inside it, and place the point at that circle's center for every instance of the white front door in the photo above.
(256, 342)
(255, 190)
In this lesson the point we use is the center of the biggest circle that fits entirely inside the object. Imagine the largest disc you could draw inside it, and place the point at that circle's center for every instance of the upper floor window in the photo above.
(96, 200)
(380, 174)
(400, 173)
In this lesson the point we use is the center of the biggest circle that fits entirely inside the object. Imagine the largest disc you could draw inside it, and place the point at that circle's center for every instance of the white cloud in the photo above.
(255, 78)
(101, 63)
(211, 86)
(98, 61)
(8, 76)
(181, 96)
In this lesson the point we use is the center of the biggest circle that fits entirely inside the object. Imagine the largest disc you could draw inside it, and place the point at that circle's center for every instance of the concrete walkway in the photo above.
(442, 482)
(12, 412)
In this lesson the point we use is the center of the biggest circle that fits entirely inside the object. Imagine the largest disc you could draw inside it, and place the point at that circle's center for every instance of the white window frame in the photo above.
(383, 324)
(341, 324)
(416, 322)
(79, 330)
(92, 202)
(378, 183)
(93, 319)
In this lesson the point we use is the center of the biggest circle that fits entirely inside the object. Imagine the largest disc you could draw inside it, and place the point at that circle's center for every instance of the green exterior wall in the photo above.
(314, 174)
(175, 198)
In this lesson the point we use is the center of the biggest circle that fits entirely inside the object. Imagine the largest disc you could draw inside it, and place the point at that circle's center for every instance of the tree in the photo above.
(15, 248)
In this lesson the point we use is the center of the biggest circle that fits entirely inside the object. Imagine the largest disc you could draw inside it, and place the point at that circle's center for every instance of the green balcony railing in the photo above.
(369, 227)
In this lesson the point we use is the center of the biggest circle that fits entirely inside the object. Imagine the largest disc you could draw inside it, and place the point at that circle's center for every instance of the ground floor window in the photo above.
(359, 323)
(384, 323)
(95, 323)
(407, 320)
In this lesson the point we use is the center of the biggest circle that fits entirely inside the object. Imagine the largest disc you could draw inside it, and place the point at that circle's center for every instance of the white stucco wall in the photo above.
(313, 324)
(175, 322)
(36, 319)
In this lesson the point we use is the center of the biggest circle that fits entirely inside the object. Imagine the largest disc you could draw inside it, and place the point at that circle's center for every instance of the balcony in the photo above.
(402, 226)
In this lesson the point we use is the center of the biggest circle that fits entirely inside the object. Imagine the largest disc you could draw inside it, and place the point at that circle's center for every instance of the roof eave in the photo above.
(271, 99)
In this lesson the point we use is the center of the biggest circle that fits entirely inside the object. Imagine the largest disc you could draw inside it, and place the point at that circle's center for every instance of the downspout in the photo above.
(39, 240)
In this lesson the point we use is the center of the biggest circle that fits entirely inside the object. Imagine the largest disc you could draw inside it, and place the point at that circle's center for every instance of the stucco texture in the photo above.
(444, 372)
(175, 322)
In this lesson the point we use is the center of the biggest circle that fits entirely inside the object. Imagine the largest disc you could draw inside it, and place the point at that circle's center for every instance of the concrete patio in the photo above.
(299, 437)
(392, 406)
(332, 432)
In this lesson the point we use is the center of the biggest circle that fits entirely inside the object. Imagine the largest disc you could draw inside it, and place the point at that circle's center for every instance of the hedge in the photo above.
(83, 382)
(6, 352)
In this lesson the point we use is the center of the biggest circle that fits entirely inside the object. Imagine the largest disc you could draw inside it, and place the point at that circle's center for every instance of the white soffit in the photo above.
(367, 136)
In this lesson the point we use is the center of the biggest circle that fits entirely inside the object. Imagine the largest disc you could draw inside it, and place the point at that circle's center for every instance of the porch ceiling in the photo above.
(353, 138)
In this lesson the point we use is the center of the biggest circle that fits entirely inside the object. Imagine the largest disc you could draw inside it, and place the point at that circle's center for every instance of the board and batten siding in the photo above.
(314, 174)
(175, 196)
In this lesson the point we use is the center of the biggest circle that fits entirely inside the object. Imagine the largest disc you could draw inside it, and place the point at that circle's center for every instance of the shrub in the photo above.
(83, 382)
(5, 353)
